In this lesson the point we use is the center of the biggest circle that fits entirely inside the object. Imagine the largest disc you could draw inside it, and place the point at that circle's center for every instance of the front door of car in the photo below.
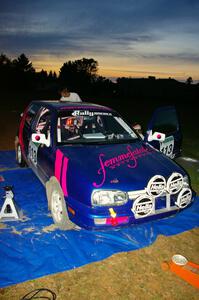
(165, 120)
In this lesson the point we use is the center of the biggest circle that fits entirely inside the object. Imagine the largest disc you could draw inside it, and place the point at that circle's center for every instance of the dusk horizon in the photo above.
(138, 40)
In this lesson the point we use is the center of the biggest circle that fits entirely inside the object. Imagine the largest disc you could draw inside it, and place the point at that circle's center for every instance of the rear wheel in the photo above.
(19, 157)
(57, 205)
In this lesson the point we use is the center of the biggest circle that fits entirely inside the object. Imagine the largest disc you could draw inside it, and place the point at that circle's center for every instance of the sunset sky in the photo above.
(127, 37)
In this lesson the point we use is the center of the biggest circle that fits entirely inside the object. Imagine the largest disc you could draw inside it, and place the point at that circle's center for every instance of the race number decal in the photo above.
(167, 146)
(32, 152)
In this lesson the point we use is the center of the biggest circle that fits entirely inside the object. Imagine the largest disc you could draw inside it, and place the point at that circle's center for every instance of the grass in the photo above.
(191, 149)
(128, 275)
(124, 276)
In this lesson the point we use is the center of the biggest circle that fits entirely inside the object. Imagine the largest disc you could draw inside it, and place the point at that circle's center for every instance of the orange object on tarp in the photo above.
(189, 271)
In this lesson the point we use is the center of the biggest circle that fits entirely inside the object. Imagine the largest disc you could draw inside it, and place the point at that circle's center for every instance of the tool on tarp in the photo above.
(187, 270)
(9, 210)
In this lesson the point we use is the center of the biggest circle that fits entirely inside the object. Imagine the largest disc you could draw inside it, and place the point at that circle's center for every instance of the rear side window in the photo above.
(31, 113)
(43, 122)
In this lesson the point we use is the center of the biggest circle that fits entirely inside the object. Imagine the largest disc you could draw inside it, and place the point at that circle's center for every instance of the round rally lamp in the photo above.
(175, 183)
(156, 185)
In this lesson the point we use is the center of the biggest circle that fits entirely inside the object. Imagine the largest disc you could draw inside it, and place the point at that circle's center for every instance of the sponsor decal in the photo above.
(143, 206)
(90, 113)
(175, 183)
(156, 185)
(129, 158)
(184, 198)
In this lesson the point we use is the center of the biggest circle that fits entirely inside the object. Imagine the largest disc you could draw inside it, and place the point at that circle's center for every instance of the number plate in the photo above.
(167, 146)
(32, 152)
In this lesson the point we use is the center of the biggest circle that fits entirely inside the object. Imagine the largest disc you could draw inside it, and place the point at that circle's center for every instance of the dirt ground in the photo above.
(123, 276)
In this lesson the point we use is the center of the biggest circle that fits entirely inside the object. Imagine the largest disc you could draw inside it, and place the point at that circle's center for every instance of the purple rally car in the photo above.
(97, 171)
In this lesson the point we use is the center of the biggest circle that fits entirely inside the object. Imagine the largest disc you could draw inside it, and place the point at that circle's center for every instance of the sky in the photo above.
(131, 38)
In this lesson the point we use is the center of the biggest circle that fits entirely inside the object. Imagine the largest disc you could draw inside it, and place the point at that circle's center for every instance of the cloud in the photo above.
(144, 30)
(177, 57)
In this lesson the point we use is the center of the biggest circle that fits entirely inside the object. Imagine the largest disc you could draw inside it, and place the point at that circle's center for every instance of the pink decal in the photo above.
(130, 158)
(64, 172)
(58, 164)
(61, 173)
(83, 107)
(101, 170)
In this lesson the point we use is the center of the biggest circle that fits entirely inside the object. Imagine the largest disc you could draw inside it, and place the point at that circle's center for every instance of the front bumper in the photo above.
(139, 209)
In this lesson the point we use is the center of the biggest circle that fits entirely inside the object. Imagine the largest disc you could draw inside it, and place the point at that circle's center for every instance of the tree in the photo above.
(23, 73)
(189, 81)
(23, 64)
(5, 71)
(79, 74)
(4, 60)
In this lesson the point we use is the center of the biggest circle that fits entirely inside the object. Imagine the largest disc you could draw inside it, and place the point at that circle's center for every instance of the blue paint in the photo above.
(120, 161)
(30, 255)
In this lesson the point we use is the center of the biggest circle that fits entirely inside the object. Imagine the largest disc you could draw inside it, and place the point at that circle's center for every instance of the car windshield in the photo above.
(92, 127)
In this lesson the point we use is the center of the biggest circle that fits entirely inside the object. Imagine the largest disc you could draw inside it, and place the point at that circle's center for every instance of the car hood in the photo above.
(124, 167)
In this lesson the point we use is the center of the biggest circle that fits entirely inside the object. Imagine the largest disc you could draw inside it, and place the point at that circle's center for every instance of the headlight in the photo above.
(108, 198)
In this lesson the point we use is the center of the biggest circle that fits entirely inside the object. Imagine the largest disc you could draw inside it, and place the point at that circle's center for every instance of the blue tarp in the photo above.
(7, 159)
(32, 248)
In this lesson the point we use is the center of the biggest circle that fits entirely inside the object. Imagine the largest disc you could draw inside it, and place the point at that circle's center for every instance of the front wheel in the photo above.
(57, 205)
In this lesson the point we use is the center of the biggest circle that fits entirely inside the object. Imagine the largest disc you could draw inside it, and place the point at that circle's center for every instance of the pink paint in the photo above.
(64, 173)
(1, 178)
(117, 220)
(61, 173)
(58, 164)
(21, 127)
(85, 107)
(129, 158)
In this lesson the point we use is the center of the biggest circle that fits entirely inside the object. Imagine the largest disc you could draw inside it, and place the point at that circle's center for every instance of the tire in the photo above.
(19, 157)
(57, 205)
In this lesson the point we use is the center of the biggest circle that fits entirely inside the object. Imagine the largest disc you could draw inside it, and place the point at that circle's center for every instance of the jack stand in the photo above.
(9, 211)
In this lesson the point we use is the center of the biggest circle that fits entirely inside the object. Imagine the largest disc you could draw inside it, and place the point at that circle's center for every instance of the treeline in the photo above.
(79, 75)
(18, 76)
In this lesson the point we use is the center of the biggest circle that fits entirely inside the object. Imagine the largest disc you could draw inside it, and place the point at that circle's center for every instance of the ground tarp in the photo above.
(33, 247)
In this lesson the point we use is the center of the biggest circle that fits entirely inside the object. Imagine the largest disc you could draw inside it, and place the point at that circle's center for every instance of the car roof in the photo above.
(61, 105)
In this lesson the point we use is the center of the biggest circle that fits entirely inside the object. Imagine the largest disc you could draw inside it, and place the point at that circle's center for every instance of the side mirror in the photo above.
(156, 136)
(40, 138)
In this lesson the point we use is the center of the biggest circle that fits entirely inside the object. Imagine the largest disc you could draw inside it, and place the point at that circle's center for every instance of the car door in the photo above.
(25, 128)
(40, 155)
(165, 120)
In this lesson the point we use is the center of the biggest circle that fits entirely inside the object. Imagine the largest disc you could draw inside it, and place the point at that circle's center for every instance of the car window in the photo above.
(43, 121)
(92, 126)
(31, 113)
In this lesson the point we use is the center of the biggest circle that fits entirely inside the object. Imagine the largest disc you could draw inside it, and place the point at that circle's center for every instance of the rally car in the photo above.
(97, 171)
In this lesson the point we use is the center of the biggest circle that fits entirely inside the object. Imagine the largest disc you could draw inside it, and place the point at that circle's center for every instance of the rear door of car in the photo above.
(25, 128)
(165, 120)
(40, 155)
